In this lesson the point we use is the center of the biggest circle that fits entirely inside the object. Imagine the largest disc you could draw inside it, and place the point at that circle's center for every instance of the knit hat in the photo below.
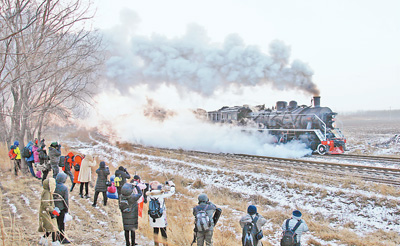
(121, 168)
(296, 214)
(252, 210)
(136, 177)
(54, 144)
(16, 143)
(203, 198)
(102, 164)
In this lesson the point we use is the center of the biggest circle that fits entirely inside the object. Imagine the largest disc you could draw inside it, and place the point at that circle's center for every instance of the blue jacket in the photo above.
(31, 158)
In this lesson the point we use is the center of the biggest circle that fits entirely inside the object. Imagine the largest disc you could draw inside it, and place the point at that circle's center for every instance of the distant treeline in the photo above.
(373, 114)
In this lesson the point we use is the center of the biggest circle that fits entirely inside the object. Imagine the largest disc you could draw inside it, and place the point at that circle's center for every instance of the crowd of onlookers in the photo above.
(131, 196)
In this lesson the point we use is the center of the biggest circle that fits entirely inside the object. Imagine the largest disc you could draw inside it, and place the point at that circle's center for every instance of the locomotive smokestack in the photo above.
(317, 101)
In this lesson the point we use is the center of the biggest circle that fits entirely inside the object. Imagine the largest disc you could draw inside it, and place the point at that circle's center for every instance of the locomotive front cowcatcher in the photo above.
(314, 125)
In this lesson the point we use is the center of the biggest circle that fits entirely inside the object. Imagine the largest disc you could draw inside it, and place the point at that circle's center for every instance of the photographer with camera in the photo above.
(121, 175)
(101, 183)
(157, 210)
(54, 155)
(85, 175)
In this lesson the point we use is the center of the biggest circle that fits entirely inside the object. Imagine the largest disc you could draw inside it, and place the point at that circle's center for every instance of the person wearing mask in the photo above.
(60, 196)
(158, 217)
(85, 175)
(297, 225)
(54, 155)
(251, 224)
(129, 210)
(17, 161)
(101, 183)
(48, 213)
(204, 231)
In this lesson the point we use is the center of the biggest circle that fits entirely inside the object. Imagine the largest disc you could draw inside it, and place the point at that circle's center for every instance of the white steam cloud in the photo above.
(181, 130)
(193, 63)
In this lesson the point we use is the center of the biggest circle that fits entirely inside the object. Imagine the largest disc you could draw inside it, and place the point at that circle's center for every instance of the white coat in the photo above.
(85, 173)
(160, 195)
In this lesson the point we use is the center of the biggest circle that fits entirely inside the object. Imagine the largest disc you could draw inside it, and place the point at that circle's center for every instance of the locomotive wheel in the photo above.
(321, 149)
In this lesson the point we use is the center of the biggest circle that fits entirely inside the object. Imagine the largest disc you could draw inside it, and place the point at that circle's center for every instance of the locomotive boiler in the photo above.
(313, 125)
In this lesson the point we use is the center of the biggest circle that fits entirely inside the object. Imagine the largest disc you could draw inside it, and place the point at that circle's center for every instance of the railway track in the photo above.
(383, 160)
(371, 173)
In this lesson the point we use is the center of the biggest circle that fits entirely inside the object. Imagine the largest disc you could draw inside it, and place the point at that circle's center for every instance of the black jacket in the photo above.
(102, 174)
(130, 219)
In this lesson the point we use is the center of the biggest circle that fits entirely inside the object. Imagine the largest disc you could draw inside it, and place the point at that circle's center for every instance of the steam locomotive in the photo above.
(314, 125)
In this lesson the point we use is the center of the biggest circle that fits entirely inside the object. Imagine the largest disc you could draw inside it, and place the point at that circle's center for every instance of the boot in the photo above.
(43, 241)
(56, 243)
(65, 241)
(81, 195)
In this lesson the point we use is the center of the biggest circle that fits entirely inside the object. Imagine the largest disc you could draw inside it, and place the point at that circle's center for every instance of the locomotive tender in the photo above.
(314, 125)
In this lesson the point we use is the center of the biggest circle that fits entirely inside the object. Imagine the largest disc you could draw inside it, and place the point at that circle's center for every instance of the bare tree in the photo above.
(48, 63)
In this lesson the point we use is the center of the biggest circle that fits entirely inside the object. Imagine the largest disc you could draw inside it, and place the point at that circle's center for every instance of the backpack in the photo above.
(62, 161)
(249, 233)
(77, 167)
(12, 154)
(26, 152)
(202, 221)
(289, 236)
(117, 181)
(124, 205)
(155, 209)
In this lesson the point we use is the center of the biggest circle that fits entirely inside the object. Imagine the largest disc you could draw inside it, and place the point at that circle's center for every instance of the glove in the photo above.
(56, 211)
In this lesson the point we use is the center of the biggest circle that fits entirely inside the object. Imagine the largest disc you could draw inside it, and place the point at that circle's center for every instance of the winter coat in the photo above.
(249, 218)
(54, 155)
(160, 195)
(68, 164)
(46, 223)
(30, 158)
(18, 153)
(123, 174)
(78, 160)
(130, 219)
(35, 153)
(302, 228)
(102, 174)
(85, 173)
(61, 192)
(210, 211)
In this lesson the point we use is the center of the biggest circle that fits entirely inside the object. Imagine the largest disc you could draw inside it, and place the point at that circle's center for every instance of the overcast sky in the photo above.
(351, 45)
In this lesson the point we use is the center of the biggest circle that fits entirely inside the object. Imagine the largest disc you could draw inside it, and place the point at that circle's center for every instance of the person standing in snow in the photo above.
(29, 160)
(256, 220)
(68, 165)
(144, 188)
(101, 183)
(291, 223)
(85, 174)
(17, 161)
(121, 175)
(129, 210)
(48, 213)
(54, 155)
(35, 153)
(60, 196)
(204, 237)
(157, 193)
